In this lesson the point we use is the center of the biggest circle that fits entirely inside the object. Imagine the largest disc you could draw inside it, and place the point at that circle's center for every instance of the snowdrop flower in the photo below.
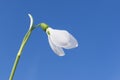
(59, 39)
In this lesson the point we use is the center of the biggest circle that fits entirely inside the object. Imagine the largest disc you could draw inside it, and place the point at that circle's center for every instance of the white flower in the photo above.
(59, 39)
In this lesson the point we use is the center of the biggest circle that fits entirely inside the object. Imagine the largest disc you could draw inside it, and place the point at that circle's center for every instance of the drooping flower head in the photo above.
(59, 39)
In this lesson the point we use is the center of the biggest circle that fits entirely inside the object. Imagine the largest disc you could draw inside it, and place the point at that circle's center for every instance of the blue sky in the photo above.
(94, 23)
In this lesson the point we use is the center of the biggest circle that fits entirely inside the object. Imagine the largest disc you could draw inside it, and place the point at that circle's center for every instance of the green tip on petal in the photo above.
(43, 26)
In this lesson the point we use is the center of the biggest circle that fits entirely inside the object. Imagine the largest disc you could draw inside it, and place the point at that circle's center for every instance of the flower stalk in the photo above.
(25, 39)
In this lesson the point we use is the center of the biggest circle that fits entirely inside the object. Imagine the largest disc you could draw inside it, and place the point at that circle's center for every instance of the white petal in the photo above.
(58, 50)
(31, 21)
(62, 38)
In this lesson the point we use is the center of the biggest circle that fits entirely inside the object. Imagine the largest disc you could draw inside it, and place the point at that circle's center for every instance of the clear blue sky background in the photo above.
(94, 23)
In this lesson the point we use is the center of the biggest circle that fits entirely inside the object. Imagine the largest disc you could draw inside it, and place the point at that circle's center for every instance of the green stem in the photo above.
(25, 39)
